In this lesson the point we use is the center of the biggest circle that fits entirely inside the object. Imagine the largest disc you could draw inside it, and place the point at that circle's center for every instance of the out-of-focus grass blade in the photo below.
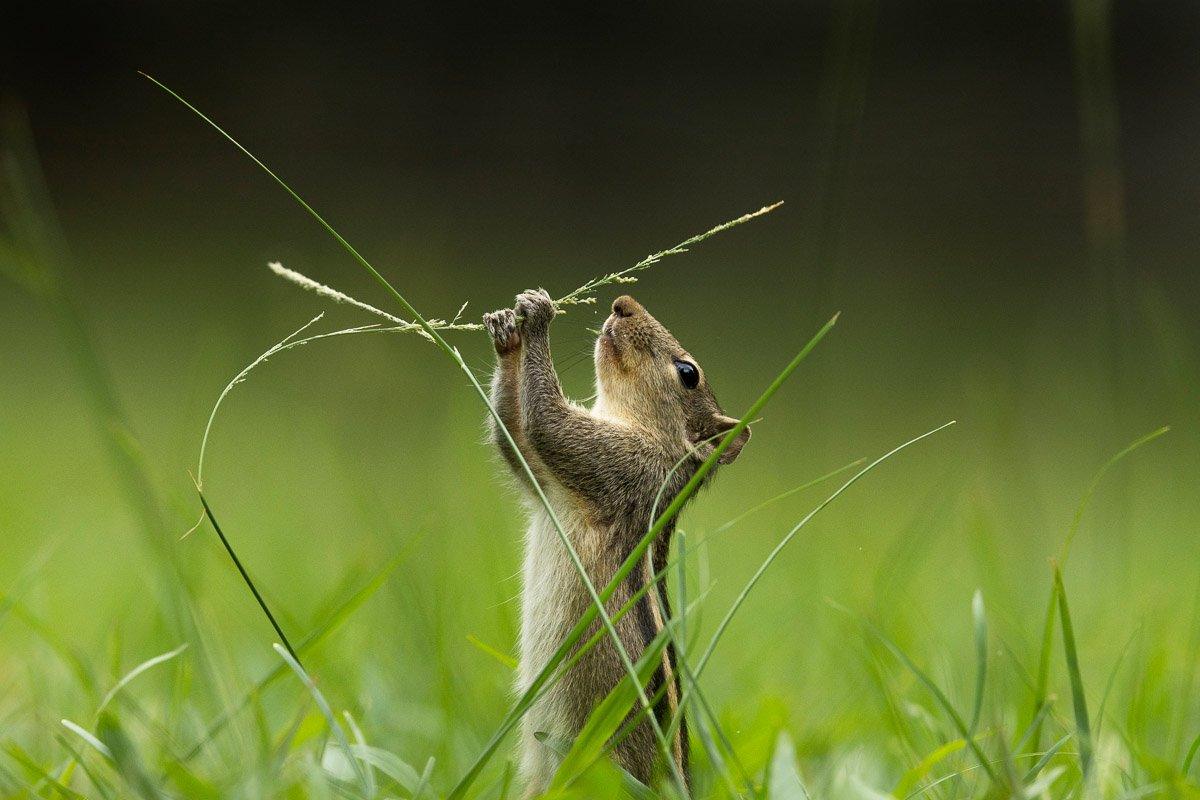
(783, 774)
(981, 656)
(390, 764)
(361, 741)
(38, 772)
(83, 733)
(914, 775)
(1034, 725)
(929, 683)
(1095, 482)
(335, 728)
(1112, 679)
(1043, 784)
(330, 624)
(506, 781)
(1043, 672)
(1191, 756)
(126, 758)
(1012, 779)
(149, 663)
(102, 786)
(423, 784)
(1082, 723)
(503, 658)
(1050, 753)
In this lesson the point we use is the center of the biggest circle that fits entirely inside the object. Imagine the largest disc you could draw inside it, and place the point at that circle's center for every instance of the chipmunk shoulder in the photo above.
(602, 469)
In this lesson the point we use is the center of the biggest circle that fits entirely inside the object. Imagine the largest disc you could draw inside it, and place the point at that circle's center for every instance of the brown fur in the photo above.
(601, 468)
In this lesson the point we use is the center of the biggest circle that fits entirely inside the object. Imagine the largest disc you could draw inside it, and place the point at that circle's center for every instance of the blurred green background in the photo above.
(1001, 199)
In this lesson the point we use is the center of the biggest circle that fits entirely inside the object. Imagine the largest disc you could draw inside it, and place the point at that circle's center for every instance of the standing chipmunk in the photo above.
(601, 469)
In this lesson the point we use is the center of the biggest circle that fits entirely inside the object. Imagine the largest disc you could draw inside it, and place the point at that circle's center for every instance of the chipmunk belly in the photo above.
(552, 602)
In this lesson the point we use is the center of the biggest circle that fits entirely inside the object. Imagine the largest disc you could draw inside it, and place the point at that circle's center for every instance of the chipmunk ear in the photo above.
(724, 424)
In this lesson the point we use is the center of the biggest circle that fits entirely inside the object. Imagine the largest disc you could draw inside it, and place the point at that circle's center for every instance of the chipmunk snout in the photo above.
(626, 306)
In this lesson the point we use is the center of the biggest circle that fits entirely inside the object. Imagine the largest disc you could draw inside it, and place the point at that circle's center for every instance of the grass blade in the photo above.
(237, 562)
(770, 559)
(981, 656)
(1082, 724)
(125, 757)
(135, 672)
(934, 689)
(1050, 753)
(330, 624)
(607, 716)
(1043, 673)
(97, 745)
(913, 776)
(38, 772)
(338, 733)
(1191, 756)
(1095, 482)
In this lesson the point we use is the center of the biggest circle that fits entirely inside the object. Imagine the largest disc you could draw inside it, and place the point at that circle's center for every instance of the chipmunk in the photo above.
(601, 469)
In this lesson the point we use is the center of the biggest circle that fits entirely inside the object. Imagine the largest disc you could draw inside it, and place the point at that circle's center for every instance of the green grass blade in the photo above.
(607, 716)
(1082, 724)
(339, 734)
(1112, 679)
(981, 656)
(1191, 756)
(330, 624)
(783, 774)
(1050, 753)
(101, 785)
(774, 554)
(724, 526)
(934, 689)
(149, 663)
(1095, 482)
(126, 759)
(404, 774)
(1034, 725)
(361, 741)
(504, 658)
(912, 777)
(1043, 673)
(237, 562)
(37, 772)
(83, 733)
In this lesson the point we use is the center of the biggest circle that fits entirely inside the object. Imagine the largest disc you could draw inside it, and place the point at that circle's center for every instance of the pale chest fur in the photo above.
(552, 601)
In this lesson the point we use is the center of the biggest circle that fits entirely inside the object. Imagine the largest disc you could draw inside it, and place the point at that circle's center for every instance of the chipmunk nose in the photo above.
(626, 306)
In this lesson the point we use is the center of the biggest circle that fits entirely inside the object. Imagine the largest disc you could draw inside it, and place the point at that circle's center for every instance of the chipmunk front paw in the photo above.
(502, 327)
(536, 307)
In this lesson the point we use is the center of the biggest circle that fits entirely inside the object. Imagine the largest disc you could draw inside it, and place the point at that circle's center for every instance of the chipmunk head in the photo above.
(645, 377)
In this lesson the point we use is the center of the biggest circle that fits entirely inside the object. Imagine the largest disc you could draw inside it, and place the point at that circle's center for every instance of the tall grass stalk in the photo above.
(1047, 637)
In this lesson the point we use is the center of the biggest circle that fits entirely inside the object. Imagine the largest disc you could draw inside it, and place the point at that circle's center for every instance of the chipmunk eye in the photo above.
(688, 374)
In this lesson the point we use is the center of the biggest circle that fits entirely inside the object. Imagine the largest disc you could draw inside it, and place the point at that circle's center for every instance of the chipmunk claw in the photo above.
(536, 307)
(502, 327)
